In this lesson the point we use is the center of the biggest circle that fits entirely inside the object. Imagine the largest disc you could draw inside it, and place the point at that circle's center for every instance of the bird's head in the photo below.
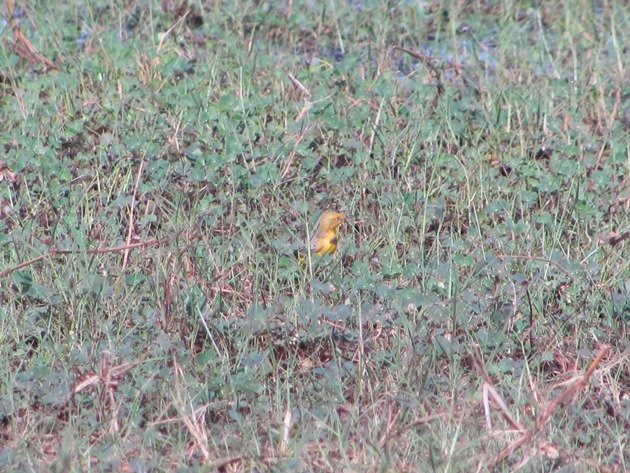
(330, 221)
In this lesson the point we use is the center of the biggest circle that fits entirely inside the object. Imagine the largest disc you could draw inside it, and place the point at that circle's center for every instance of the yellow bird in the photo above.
(324, 242)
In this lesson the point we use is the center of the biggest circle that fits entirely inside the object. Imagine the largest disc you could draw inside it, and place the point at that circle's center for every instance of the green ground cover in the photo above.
(161, 162)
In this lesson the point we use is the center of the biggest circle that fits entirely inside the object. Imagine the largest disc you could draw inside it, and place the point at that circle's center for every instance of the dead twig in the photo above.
(543, 418)
(299, 85)
(132, 206)
(416, 423)
(195, 423)
(572, 389)
(21, 46)
(427, 60)
(489, 393)
(107, 379)
(97, 251)
(436, 71)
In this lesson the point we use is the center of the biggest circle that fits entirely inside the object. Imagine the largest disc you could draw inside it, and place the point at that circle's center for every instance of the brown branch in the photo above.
(571, 389)
(436, 69)
(551, 407)
(424, 58)
(96, 251)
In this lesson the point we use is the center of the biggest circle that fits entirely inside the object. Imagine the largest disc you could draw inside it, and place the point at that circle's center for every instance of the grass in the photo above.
(162, 168)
